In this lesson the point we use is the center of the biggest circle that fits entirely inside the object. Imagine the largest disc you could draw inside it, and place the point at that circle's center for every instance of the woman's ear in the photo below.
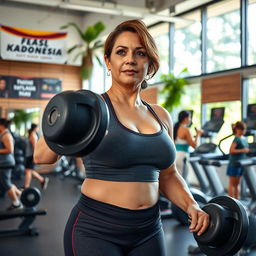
(107, 62)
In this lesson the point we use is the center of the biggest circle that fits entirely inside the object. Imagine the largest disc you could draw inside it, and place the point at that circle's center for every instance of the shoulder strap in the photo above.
(105, 97)
(155, 114)
(108, 102)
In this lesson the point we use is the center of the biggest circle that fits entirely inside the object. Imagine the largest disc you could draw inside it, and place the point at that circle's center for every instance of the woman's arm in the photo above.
(173, 187)
(43, 154)
(192, 141)
(7, 140)
(234, 150)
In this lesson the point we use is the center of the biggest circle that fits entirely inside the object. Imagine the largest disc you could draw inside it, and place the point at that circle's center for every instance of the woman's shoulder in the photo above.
(162, 113)
(6, 135)
(159, 109)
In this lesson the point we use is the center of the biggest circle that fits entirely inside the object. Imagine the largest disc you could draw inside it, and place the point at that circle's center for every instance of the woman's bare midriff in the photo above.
(130, 195)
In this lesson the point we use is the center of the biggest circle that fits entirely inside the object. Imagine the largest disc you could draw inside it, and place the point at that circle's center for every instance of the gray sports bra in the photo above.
(126, 155)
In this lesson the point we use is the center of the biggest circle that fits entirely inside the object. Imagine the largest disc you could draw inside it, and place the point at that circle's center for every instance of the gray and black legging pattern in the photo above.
(99, 229)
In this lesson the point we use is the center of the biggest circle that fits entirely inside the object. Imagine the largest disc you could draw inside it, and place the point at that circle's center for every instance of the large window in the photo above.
(252, 91)
(187, 44)
(161, 35)
(223, 36)
(191, 100)
(22, 119)
(97, 80)
(252, 32)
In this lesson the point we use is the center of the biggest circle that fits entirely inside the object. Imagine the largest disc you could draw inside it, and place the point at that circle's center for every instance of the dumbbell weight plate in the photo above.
(30, 197)
(238, 224)
(75, 122)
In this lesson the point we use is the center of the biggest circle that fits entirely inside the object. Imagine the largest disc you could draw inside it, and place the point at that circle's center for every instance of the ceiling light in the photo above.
(38, 2)
(90, 9)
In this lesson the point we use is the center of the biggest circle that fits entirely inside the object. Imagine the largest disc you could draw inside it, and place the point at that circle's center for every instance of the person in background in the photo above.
(118, 211)
(3, 88)
(6, 152)
(183, 140)
(238, 149)
(29, 164)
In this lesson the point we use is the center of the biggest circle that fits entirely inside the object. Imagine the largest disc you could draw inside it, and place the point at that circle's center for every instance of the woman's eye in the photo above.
(120, 52)
(141, 53)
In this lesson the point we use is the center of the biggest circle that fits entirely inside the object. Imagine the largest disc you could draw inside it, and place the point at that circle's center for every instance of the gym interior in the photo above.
(207, 52)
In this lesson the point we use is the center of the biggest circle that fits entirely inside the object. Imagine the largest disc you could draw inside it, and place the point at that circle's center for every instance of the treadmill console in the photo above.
(251, 120)
(215, 123)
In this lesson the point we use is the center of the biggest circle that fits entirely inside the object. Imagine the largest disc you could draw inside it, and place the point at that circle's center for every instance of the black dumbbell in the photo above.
(228, 227)
(30, 197)
(75, 122)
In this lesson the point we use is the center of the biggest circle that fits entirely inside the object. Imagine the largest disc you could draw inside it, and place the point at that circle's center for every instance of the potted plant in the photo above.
(173, 89)
(86, 49)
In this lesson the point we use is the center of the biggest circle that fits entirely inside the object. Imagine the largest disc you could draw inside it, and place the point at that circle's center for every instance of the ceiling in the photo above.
(158, 10)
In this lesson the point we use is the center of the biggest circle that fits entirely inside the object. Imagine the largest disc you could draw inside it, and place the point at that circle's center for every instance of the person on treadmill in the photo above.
(238, 149)
(183, 139)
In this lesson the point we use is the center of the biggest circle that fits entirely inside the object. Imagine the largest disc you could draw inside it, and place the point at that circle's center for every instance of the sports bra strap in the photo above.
(155, 114)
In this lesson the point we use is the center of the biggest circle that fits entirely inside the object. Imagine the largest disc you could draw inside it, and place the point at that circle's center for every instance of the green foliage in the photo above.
(173, 89)
(88, 36)
(21, 118)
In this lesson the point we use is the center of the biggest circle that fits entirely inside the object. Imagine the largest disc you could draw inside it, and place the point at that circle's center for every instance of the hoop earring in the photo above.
(147, 77)
(144, 84)
(108, 73)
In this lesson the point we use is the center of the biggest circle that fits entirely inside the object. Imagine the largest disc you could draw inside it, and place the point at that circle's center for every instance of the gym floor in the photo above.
(58, 200)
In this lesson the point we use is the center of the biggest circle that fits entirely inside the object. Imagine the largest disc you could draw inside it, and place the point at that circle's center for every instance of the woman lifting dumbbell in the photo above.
(118, 212)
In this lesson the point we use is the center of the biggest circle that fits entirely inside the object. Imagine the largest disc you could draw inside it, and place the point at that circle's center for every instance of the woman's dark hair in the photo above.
(5, 122)
(238, 125)
(135, 26)
(32, 128)
(182, 115)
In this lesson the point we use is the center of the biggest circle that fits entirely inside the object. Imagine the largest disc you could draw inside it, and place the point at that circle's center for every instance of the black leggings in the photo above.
(98, 229)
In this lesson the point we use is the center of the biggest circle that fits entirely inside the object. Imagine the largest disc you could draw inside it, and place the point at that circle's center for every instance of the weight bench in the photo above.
(28, 216)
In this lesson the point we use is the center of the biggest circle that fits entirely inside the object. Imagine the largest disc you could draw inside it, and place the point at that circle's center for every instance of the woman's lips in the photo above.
(130, 72)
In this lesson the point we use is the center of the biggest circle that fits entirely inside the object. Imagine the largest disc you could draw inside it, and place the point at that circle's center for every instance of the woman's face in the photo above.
(2, 84)
(240, 132)
(128, 61)
(186, 120)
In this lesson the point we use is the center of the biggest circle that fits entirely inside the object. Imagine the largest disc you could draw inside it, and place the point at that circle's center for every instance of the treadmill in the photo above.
(208, 180)
(209, 163)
